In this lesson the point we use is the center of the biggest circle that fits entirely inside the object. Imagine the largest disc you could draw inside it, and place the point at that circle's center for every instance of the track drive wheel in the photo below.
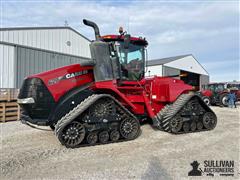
(72, 135)
(209, 120)
(130, 128)
(102, 108)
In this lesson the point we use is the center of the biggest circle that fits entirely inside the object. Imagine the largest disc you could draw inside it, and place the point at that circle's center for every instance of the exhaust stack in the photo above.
(94, 26)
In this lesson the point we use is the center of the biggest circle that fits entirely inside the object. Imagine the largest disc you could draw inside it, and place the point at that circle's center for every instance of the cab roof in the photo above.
(134, 40)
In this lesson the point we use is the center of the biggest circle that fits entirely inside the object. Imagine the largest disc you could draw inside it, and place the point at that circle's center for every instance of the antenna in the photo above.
(65, 23)
(128, 27)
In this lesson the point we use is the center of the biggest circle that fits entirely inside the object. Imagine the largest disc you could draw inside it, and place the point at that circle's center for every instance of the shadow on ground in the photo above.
(155, 171)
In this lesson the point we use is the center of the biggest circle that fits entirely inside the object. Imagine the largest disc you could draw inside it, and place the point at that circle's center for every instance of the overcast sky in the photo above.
(207, 29)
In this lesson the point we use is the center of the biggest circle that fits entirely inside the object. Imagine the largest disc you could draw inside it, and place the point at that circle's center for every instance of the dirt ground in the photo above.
(28, 153)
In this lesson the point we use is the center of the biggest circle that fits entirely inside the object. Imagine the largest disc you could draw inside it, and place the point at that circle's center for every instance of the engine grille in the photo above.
(44, 102)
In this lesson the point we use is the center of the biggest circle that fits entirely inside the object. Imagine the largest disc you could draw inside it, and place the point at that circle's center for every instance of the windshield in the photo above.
(131, 60)
(215, 87)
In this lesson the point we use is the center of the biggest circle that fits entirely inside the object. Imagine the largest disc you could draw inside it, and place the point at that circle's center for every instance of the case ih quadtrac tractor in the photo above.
(104, 100)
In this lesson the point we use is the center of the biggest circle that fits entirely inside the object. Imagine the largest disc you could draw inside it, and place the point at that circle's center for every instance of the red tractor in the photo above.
(104, 100)
(217, 93)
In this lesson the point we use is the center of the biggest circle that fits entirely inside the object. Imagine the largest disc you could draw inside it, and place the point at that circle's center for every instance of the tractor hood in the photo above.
(63, 79)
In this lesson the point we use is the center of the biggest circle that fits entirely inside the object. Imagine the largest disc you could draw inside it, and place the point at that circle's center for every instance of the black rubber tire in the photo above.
(206, 100)
(224, 100)
(103, 137)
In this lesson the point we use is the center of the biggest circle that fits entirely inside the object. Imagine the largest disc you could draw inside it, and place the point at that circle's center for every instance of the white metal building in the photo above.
(184, 67)
(25, 51)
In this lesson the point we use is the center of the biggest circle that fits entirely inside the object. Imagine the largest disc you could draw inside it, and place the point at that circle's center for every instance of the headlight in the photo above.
(26, 101)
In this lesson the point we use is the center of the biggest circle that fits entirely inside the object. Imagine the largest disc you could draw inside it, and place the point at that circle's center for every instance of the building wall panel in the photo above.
(188, 63)
(49, 39)
(168, 71)
(154, 70)
(204, 80)
(6, 66)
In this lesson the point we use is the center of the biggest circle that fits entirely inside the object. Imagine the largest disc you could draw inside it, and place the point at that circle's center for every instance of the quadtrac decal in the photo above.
(67, 76)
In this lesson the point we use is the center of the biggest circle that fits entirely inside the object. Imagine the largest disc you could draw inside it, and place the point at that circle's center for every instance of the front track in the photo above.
(99, 119)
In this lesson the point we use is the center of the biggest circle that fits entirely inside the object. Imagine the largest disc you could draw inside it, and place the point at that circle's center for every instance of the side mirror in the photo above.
(126, 41)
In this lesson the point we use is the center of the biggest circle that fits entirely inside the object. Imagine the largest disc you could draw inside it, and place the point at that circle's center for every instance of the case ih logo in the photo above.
(212, 168)
(67, 76)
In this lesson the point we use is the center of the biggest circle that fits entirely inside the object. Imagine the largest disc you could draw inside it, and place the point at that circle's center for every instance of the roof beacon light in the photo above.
(120, 30)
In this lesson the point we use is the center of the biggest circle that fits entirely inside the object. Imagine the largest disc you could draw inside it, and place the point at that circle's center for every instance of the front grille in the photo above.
(44, 102)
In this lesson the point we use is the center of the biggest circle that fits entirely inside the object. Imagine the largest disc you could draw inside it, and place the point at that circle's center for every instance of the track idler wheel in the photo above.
(186, 127)
(209, 120)
(193, 126)
(129, 128)
(199, 125)
(103, 137)
(176, 124)
(114, 135)
(72, 135)
(92, 138)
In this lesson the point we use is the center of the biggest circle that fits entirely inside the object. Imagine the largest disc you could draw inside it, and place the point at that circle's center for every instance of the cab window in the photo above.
(132, 61)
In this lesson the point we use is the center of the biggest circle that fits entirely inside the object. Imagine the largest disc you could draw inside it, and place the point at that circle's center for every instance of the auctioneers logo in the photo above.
(212, 168)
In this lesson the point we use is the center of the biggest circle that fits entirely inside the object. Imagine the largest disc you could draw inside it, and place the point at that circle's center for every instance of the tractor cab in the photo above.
(215, 87)
(131, 55)
(117, 57)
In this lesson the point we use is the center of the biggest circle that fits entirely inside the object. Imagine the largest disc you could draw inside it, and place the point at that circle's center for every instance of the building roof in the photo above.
(231, 82)
(43, 28)
(184, 62)
(165, 60)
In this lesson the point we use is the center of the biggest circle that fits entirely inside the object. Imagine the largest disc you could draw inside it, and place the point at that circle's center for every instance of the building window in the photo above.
(68, 43)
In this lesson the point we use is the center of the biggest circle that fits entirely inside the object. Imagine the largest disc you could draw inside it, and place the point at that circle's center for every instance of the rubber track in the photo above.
(169, 111)
(84, 105)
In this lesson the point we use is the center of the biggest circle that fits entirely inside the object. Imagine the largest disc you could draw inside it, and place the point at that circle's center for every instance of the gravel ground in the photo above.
(28, 153)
